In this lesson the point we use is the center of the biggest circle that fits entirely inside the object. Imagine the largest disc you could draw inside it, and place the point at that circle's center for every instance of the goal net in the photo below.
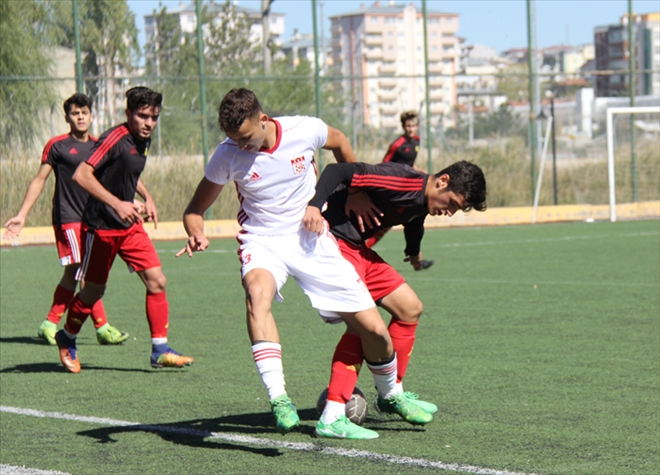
(633, 155)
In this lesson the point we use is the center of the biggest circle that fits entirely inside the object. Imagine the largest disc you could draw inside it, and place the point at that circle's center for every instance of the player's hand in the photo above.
(364, 209)
(151, 212)
(127, 212)
(140, 207)
(14, 227)
(313, 220)
(196, 243)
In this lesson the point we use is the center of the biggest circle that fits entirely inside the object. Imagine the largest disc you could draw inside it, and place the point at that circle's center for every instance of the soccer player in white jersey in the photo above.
(271, 161)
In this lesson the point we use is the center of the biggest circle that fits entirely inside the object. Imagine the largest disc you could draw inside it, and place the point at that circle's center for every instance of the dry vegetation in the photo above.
(172, 180)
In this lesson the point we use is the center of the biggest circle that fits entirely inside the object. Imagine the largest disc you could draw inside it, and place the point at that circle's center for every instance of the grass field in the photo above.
(540, 345)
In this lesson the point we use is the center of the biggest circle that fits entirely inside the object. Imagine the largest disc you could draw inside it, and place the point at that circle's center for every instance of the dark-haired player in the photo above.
(271, 161)
(404, 151)
(112, 226)
(396, 195)
(62, 154)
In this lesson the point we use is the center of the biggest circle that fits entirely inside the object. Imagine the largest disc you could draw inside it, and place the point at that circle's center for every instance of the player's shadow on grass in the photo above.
(232, 432)
(58, 368)
(24, 339)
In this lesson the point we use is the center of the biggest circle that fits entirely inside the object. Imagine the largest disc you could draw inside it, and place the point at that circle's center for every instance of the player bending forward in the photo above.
(271, 164)
(62, 154)
(112, 226)
(396, 195)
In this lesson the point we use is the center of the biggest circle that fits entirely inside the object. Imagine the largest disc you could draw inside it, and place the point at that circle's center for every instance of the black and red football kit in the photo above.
(398, 192)
(64, 153)
(403, 150)
(118, 160)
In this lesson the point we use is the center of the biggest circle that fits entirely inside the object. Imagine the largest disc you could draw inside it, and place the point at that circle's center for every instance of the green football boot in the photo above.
(427, 406)
(109, 335)
(342, 428)
(47, 331)
(404, 407)
(285, 414)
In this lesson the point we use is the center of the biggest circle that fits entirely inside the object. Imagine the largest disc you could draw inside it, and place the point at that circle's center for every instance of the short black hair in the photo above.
(140, 96)
(468, 180)
(78, 99)
(236, 106)
(408, 115)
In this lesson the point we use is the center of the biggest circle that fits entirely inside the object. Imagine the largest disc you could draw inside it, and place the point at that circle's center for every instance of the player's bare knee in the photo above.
(157, 283)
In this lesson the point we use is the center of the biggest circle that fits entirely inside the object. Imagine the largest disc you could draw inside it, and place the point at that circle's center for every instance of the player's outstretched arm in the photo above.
(338, 144)
(15, 225)
(149, 204)
(84, 176)
(193, 217)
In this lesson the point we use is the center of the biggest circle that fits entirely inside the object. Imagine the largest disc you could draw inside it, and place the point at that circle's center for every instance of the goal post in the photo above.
(650, 127)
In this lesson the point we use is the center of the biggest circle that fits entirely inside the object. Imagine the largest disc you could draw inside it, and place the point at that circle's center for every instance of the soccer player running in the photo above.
(404, 151)
(271, 164)
(62, 154)
(389, 195)
(112, 226)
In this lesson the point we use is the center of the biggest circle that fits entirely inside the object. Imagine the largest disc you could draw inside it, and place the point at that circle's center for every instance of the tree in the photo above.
(513, 82)
(27, 36)
(109, 45)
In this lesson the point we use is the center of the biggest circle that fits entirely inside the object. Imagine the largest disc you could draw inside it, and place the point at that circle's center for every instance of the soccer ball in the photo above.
(356, 407)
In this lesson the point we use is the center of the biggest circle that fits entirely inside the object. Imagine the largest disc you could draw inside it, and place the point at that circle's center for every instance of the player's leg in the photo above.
(98, 255)
(264, 272)
(405, 308)
(139, 253)
(260, 290)
(67, 239)
(334, 287)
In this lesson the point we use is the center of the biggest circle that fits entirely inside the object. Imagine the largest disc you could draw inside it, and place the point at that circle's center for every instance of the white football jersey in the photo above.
(274, 186)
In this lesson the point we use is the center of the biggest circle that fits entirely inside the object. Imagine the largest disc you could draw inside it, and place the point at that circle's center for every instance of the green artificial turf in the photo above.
(540, 344)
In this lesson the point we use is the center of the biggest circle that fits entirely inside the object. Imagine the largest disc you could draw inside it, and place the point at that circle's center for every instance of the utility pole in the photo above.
(426, 93)
(202, 86)
(631, 89)
(532, 116)
(76, 34)
(265, 25)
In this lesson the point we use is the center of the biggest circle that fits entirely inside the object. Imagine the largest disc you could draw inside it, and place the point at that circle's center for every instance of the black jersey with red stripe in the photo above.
(118, 159)
(397, 191)
(64, 153)
(403, 150)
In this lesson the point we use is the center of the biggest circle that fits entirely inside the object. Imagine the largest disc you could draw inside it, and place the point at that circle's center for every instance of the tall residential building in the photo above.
(612, 50)
(380, 50)
(188, 21)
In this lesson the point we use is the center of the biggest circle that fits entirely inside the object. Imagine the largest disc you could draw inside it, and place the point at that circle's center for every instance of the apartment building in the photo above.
(380, 50)
(612, 54)
(188, 21)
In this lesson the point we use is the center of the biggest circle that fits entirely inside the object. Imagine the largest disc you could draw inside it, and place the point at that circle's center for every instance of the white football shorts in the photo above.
(329, 280)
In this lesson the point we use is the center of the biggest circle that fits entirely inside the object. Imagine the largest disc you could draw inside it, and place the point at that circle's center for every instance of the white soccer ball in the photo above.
(356, 407)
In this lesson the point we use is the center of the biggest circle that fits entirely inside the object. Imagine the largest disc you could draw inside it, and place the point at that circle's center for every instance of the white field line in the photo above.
(242, 439)
(541, 240)
(14, 470)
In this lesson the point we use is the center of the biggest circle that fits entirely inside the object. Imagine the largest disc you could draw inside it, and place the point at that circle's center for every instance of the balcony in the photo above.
(389, 110)
(387, 68)
(388, 95)
(436, 94)
(374, 54)
(389, 82)
(436, 81)
(373, 39)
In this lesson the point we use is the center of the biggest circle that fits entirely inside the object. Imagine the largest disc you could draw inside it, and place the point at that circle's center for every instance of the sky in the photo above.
(499, 24)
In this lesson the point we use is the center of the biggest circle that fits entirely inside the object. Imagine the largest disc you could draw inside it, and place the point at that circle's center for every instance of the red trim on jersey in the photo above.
(389, 182)
(393, 148)
(109, 142)
(49, 145)
(278, 132)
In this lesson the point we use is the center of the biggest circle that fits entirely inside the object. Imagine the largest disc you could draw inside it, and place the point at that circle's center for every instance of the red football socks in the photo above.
(403, 340)
(346, 363)
(158, 314)
(61, 300)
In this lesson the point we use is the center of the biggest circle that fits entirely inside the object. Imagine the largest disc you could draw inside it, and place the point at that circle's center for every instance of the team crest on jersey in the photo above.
(298, 165)
(416, 148)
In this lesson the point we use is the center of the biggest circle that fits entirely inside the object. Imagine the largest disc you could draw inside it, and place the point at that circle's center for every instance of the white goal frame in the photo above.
(610, 146)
